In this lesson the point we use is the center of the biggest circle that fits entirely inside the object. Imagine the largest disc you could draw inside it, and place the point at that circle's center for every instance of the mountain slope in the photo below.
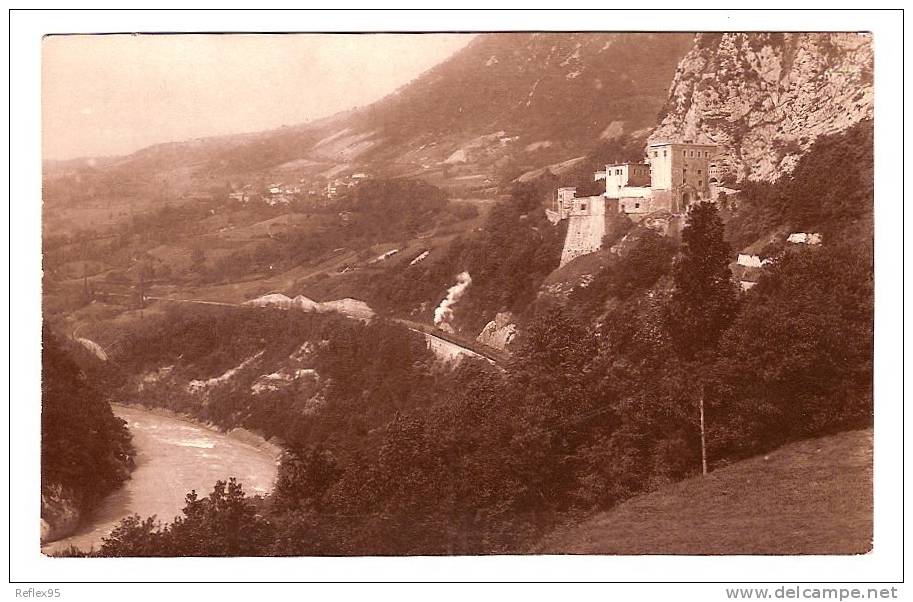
(505, 104)
(766, 97)
(554, 91)
(811, 497)
(510, 105)
(508, 101)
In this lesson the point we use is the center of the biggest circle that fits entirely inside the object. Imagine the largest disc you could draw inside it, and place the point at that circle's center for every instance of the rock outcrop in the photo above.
(60, 513)
(94, 348)
(352, 308)
(277, 300)
(499, 332)
(765, 97)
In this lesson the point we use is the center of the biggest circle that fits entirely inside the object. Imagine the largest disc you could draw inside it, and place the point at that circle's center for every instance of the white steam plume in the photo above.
(443, 313)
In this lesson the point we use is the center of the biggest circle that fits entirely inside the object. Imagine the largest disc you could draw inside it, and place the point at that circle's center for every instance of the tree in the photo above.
(550, 384)
(551, 360)
(797, 361)
(304, 477)
(135, 537)
(225, 523)
(703, 304)
(704, 299)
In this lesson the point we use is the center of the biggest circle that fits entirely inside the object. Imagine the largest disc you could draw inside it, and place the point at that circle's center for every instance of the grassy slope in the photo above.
(811, 497)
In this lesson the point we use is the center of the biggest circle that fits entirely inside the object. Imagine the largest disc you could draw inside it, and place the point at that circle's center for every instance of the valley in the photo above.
(480, 315)
(173, 458)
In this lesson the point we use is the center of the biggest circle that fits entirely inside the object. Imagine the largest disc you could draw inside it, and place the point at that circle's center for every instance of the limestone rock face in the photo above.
(304, 304)
(271, 300)
(765, 97)
(352, 308)
(499, 332)
(59, 514)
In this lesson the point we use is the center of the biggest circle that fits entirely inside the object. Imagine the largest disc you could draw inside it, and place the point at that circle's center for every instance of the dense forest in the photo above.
(85, 449)
(393, 454)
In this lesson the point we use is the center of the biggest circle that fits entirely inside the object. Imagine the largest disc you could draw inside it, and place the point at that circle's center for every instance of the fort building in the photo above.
(674, 176)
(679, 174)
(567, 204)
(564, 201)
(619, 176)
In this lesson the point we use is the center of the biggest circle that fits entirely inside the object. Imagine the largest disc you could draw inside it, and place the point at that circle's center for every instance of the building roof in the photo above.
(626, 163)
(707, 145)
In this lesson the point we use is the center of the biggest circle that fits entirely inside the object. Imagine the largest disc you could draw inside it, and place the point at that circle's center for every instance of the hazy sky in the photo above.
(109, 95)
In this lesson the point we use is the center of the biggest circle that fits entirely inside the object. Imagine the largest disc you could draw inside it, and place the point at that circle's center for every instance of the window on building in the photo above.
(583, 206)
(700, 183)
(698, 172)
(655, 154)
(707, 153)
(637, 205)
(664, 153)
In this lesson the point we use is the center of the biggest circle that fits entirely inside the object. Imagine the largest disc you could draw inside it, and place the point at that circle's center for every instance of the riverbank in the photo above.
(254, 439)
(174, 456)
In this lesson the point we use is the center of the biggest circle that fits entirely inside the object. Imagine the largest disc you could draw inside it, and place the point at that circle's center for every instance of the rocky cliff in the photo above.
(499, 332)
(766, 97)
(60, 513)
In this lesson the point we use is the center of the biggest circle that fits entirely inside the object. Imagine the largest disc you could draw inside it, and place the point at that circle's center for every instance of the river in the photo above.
(173, 456)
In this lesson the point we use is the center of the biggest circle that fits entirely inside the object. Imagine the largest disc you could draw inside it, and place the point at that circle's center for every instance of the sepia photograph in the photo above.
(457, 293)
